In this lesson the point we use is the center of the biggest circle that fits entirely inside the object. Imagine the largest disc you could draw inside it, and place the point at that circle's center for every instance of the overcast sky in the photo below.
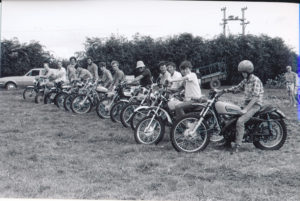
(62, 26)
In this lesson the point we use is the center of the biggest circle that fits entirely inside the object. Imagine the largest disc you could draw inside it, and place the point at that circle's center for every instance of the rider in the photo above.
(191, 87)
(164, 74)
(93, 68)
(83, 74)
(253, 90)
(71, 71)
(119, 75)
(106, 75)
(61, 73)
(144, 76)
(174, 75)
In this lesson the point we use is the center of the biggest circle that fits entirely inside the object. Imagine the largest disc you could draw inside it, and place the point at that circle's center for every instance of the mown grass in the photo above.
(49, 153)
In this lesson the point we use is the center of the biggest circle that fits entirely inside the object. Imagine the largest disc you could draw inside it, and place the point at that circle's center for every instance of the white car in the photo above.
(13, 82)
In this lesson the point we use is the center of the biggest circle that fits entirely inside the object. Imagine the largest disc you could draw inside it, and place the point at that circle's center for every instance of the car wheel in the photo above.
(10, 86)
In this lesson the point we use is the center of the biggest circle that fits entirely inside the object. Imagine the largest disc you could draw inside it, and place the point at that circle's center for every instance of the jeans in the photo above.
(240, 124)
(179, 109)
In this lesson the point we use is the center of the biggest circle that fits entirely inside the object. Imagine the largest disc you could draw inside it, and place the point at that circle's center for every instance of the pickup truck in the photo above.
(12, 82)
(212, 74)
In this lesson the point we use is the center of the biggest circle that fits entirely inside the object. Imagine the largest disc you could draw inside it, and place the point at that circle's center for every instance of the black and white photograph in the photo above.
(149, 100)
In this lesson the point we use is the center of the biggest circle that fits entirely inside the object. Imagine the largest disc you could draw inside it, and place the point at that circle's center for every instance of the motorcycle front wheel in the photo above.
(81, 104)
(127, 113)
(29, 94)
(60, 99)
(49, 98)
(149, 131)
(116, 110)
(184, 139)
(103, 108)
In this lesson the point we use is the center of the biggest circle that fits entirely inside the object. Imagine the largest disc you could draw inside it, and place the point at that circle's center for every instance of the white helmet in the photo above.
(246, 66)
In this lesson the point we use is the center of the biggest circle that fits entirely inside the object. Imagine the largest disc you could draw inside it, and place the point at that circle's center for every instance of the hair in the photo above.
(89, 58)
(115, 62)
(162, 63)
(185, 64)
(102, 64)
(73, 58)
(171, 64)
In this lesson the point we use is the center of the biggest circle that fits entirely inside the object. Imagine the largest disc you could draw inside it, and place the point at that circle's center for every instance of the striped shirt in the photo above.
(253, 88)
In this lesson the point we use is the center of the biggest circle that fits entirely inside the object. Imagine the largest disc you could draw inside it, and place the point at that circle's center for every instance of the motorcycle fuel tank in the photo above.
(227, 108)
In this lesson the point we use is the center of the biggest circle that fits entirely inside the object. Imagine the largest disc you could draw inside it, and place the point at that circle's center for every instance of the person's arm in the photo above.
(238, 87)
(95, 69)
(135, 80)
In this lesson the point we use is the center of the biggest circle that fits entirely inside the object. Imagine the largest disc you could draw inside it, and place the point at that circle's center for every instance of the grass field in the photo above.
(49, 153)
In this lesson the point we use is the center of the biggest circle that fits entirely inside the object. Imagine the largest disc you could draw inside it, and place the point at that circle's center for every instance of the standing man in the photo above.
(144, 77)
(291, 85)
(174, 75)
(93, 68)
(106, 75)
(119, 75)
(71, 70)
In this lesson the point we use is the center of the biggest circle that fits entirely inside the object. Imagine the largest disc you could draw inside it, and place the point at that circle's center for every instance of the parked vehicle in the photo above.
(13, 82)
(212, 74)
(266, 129)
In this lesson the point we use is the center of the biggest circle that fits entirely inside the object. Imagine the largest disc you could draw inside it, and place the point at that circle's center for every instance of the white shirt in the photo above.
(61, 75)
(176, 75)
(192, 87)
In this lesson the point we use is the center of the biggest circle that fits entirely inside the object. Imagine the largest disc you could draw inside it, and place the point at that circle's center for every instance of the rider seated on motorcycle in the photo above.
(50, 74)
(191, 86)
(83, 74)
(253, 90)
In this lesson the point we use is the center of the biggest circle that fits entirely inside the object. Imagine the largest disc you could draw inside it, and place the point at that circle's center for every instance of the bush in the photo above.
(277, 83)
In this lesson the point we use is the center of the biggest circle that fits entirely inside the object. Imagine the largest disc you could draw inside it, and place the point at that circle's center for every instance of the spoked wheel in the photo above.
(183, 136)
(81, 104)
(49, 98)
(29, 94)
(137, 117)
(39, 98)
(273, 140)
(116, 110)
(149, 130)
(127, 113)
(60, 99)
(68, 101)
(104, 107)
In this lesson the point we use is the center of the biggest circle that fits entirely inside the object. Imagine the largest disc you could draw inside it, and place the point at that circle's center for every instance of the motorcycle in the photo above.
(191, 133)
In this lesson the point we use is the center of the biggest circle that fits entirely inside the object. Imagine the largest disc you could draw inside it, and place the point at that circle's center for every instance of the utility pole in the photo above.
(243, 20)
(232, 18)
(224, 20)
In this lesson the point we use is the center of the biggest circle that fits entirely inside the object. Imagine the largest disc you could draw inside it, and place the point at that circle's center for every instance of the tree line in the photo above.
(269, 55)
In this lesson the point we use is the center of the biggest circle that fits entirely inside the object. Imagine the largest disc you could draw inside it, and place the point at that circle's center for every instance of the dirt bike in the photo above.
(58, 87)
(266, 129)
(145, 97)
(30, 92)
(104, 106)
(59, 99)
(83, 103)
(118, 106)
(151, 129)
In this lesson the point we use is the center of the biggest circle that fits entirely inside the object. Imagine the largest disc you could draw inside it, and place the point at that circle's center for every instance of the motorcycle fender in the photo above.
(124, 100)
(141, 107)
(279, 113)
(167, 115)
